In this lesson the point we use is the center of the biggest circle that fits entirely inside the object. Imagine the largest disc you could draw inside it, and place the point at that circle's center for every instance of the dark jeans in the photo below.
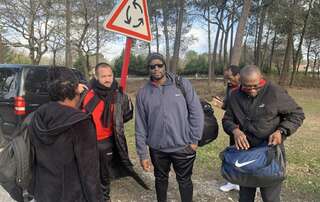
(268, 194)
(182, 162)
(105, 157)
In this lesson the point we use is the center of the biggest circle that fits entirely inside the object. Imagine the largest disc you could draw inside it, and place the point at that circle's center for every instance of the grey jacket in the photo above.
(162, 118)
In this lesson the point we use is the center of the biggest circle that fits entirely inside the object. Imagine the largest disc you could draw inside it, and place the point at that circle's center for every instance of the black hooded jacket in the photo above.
(66, 158)
(262, 115)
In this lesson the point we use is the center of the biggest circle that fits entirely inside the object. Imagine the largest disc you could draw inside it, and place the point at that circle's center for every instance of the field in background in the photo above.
(303, 181)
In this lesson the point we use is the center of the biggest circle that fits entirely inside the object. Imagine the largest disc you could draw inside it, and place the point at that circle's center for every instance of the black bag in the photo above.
(211, 127)
(16, 163)
(261, 166)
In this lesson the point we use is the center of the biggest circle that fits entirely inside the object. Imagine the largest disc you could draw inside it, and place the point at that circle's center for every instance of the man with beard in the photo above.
(170, 125)
(110, 108)
(66, 162)
(258, 113)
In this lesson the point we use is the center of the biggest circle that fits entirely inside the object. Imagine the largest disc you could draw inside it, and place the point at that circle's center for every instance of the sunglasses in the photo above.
(152, 67)
(253, 87)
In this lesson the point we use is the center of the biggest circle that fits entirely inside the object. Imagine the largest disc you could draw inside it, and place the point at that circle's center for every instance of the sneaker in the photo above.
(229, 186)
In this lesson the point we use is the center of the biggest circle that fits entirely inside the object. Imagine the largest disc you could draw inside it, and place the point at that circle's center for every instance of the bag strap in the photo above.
(82, 97)
(91, 105)
(179, 85)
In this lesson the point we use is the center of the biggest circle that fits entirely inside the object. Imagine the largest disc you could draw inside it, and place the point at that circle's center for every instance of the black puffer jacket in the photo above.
(260, 116)
(66, 158)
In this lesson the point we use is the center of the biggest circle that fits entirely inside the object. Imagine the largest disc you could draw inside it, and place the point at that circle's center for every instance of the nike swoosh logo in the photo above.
(239, 165)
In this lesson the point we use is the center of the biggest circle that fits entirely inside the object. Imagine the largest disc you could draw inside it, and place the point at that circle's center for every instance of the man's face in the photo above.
(250, 84)
(105, 76)
(157, 69)
(234, 80)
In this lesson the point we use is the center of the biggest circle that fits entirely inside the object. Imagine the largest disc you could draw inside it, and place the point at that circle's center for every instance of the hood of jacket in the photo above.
(53, 119)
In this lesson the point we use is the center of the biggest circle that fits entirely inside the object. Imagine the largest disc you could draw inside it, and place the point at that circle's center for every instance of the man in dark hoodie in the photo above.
(260, 112)
(66, 157)
(170, 125)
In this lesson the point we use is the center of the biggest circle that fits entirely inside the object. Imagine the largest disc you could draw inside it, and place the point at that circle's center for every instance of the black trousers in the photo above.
(268, 194)
(105, 148)
(182, 162)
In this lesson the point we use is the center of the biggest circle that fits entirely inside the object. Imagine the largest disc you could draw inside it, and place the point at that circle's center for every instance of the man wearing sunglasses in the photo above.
(260, 112)
(165, 125)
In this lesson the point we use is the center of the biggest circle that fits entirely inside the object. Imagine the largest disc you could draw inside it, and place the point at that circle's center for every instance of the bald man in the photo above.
(260, 111)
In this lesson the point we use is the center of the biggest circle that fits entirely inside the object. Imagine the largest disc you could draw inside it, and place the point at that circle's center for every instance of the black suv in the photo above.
(23, 88)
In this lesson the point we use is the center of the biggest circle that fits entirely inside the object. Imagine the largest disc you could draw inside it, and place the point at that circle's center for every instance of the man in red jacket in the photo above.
(102, 96)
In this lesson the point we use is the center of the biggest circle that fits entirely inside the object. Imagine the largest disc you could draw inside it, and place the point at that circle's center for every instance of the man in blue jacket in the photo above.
(170, 125)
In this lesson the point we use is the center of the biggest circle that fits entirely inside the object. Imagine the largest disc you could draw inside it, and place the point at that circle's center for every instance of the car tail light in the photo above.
(19, 106)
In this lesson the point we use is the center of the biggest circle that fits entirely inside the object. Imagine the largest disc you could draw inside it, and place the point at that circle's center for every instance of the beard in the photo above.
(157, 78)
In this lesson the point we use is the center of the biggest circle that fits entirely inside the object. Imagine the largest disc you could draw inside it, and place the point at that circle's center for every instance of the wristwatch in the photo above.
(282, 131)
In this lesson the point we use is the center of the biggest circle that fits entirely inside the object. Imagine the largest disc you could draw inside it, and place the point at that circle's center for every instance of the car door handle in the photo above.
(34, 105)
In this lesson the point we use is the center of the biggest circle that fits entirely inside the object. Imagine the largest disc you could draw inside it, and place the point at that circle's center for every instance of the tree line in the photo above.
(280, 36)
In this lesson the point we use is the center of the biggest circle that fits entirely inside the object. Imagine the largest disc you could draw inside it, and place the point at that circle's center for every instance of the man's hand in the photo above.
(194, 147)
(240, 139)
(82, 88)
(275, 138)
(146, 165)
(217, 102)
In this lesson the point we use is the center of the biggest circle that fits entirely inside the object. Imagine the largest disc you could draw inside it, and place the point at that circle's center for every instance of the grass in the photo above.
(302, 148)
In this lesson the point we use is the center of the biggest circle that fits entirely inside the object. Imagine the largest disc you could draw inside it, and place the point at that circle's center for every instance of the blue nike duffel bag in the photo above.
(257, 167)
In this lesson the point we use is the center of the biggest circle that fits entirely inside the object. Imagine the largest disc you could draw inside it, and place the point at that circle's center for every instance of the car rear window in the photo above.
(7, 80)
(36, 81)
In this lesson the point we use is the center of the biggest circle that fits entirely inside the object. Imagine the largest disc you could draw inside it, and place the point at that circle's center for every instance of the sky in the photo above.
(113, 49)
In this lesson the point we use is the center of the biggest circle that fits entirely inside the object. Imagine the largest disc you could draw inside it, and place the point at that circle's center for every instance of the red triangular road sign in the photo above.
(130, 18)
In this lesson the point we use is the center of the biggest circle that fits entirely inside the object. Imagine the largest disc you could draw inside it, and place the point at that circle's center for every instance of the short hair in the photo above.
(234, 69)
(101, 65)
(248, 70)
(62, 83)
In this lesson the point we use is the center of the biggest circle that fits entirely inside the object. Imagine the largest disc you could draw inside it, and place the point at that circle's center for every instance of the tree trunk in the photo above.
(31, 37)
(157, 30)
(68, 53)
(97, 33)
(287, 57)
(256, 38)
(149, 48)
(221, 46)
(1, 50)
(236, 50)
(297, 55)
(54, 58)
(215, 46)
(245, 49)
(209, 50)
(164, 5)
(225, 48)
(308, 58)
(314, 66)
(177, 40)
(231, 34)
(272, 51)
(261, 26)
(262, 65)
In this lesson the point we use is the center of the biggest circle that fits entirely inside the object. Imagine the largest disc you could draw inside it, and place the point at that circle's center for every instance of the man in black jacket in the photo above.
(260, 111)
(66, 157)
